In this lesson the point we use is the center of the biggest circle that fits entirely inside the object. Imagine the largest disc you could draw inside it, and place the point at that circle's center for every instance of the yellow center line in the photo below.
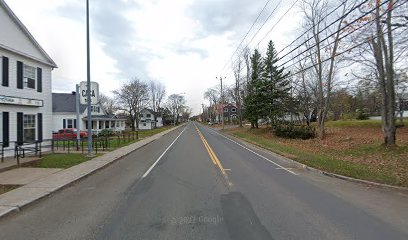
(213, 157)
(208, 150)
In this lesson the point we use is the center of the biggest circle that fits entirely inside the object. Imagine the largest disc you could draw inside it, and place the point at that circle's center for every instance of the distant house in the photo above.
(229, 111)
(64, 115)
(25, 84)
(147, 119)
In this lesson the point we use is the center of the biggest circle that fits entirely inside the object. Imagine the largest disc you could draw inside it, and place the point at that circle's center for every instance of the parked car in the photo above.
(68, 133)
(210, 123)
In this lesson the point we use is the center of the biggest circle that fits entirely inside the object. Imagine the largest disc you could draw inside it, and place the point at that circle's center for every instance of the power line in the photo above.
(290, 8)
(267, 19)
(307, 31)
(332, 34)
(253, 24)
(331, 24)
(341, 53)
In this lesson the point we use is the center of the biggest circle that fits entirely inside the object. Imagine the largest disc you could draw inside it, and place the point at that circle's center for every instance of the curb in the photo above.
(13, 201)
(304, 166)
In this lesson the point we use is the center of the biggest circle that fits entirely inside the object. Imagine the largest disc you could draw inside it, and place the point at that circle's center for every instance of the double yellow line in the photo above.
(213, 157)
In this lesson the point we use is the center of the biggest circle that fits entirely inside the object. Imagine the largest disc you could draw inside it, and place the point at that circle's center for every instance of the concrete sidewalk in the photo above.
(14, 200)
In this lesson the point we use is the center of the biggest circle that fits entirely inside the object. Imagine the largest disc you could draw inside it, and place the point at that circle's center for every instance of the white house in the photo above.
(25, 89)
(147, 119)
(64, 115)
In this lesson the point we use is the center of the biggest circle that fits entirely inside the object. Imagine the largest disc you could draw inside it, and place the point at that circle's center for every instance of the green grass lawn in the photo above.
(60, 160)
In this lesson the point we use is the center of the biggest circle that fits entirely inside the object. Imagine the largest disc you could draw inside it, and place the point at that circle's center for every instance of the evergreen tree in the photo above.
(275, 87)
(253, 100)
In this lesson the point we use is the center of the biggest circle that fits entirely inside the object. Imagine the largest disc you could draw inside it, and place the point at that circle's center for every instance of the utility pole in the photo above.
(88, 82)
(222, 102)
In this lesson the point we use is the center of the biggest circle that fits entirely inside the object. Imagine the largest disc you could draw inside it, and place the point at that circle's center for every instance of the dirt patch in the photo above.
(6, 188)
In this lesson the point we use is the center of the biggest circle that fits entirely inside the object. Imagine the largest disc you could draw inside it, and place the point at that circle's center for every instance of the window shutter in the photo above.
(5, 75)
(75, 126)
(39, 80)
(20, 74)
(64, 123)
(20, 128)
(40, 126)
(6, 129)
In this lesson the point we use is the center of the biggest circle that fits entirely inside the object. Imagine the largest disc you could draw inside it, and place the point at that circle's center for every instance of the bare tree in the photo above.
(237, 90)
(383, 49)
(176, 104)
(320, 48)
(157, 94)
(108, 104)
(212, 95)
(132, 97)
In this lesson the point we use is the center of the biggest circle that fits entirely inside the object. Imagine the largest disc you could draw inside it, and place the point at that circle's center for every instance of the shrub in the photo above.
(106, 133)
(361, 114)
(292, 131)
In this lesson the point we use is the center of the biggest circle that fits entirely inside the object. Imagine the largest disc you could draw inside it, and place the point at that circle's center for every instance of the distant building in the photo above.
(64, 115)
(25, 84)
(229, 111)
(147, 119)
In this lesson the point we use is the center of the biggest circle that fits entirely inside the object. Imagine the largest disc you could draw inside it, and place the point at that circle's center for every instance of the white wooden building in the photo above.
(25, 84)
(64, 115)
(150, 119)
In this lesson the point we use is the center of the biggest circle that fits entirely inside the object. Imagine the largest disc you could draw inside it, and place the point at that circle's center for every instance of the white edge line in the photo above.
(259, 155)
(155, 163)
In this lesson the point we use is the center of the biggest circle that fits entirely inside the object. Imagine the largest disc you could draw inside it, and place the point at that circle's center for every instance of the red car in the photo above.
(68, 133)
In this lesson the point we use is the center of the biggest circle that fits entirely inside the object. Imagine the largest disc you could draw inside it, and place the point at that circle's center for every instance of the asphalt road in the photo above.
(198, 184)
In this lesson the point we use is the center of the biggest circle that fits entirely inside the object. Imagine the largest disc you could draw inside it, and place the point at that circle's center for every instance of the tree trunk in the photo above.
(384, 57)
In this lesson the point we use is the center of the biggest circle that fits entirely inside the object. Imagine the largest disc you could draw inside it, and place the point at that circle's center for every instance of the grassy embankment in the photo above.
(351, 148)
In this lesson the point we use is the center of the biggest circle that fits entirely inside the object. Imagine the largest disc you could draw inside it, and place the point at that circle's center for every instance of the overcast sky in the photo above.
(182, 43)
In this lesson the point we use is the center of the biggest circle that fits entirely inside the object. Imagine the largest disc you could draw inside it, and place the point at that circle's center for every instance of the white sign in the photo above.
(94, 93)
(21, 101)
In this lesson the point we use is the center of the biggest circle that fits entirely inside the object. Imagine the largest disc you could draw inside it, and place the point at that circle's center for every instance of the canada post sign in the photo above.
(21, 101)
(94, 93)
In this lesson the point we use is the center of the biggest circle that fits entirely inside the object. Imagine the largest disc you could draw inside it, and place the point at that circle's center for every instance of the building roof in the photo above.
(17, 21)
(104, 117)
(156, 114)
(65, 102)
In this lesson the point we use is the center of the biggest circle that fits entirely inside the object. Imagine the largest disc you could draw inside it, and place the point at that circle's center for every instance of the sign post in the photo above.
(89, 97)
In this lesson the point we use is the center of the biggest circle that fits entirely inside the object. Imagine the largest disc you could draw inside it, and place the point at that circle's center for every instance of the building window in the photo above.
(233, 110)
(95, 109)
(29, 128)
(29, 77)
(70, 123)
(148, 115)
(225, 109)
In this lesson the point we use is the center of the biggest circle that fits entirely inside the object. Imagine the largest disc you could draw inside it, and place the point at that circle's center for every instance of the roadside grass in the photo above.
(60, 160)
(368, 161)
(67, 160)
(7, 188)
